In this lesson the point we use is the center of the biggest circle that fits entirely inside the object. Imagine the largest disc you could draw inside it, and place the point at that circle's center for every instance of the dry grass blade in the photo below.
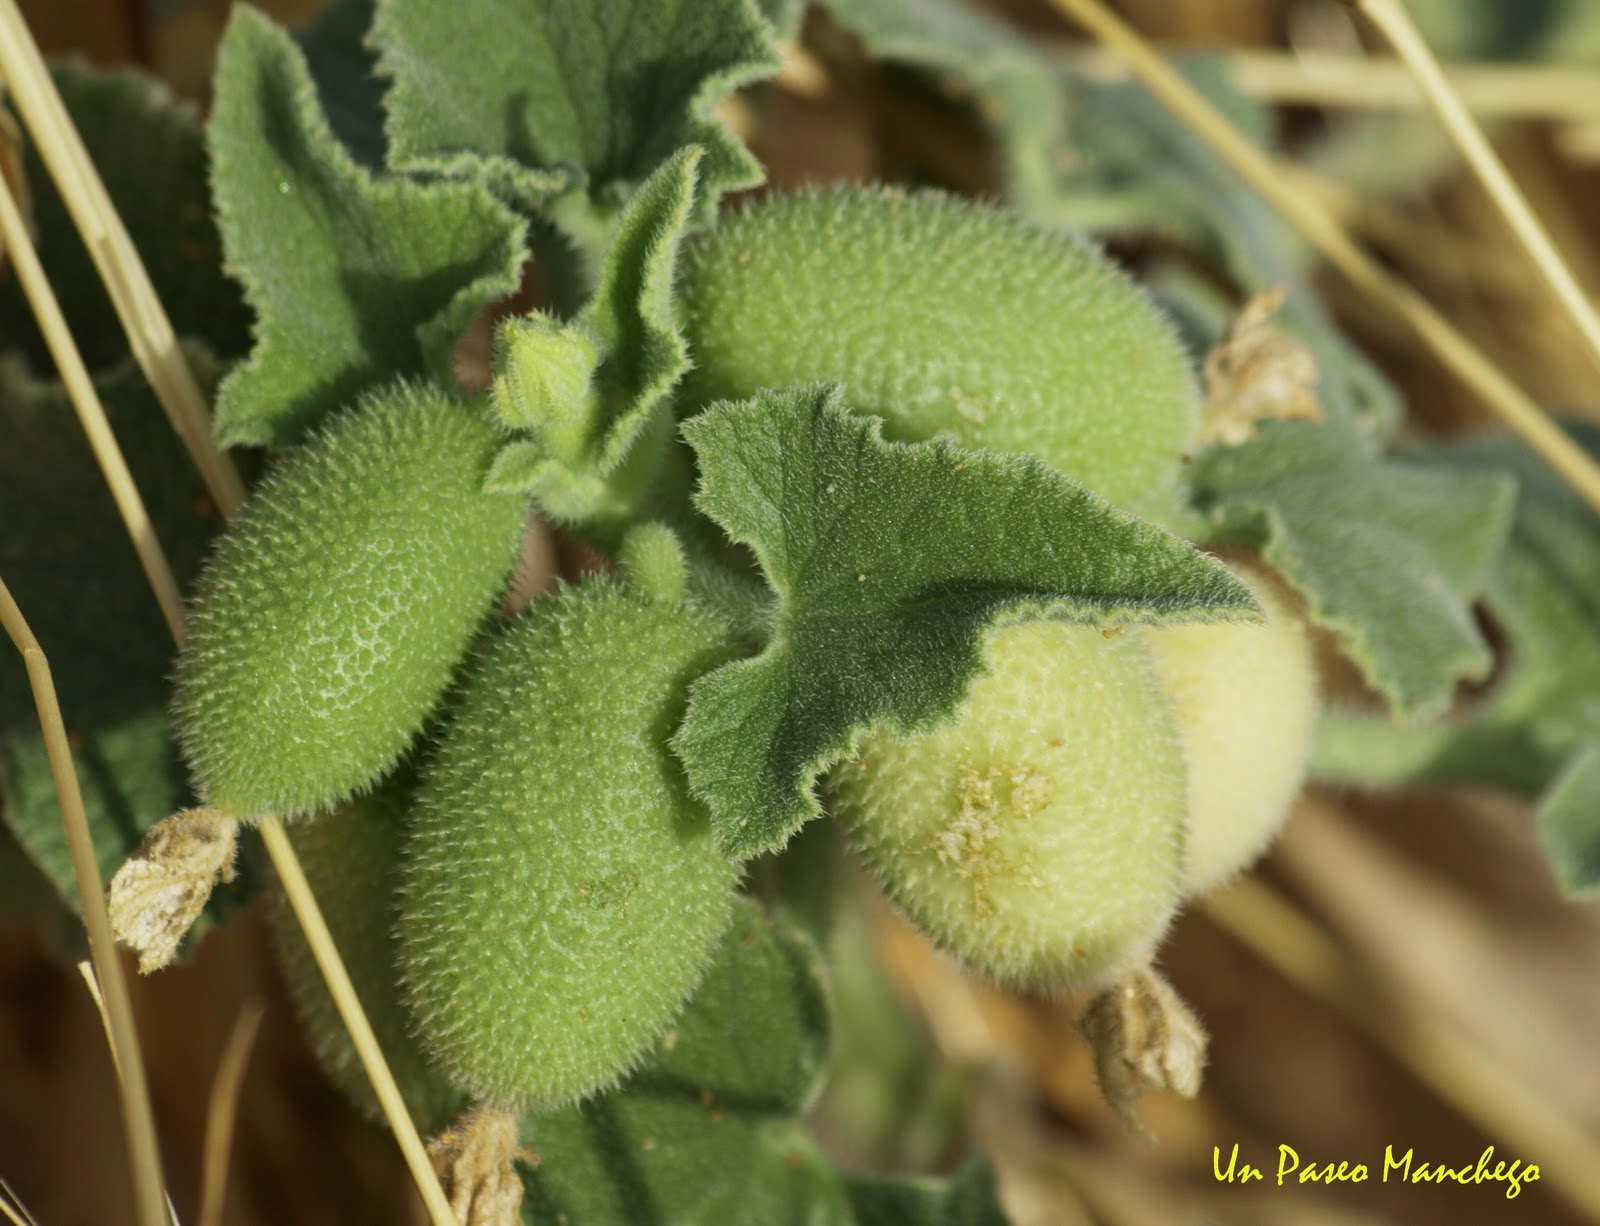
(1391, 18)
(1509, 91)
(316, 932)
(143, 319)
(222, 1111)
(14, 236)
(138, 1122)
(125, 278)
(16, 1212)
(92, 985)
(1515, 409)
(1454, 1068)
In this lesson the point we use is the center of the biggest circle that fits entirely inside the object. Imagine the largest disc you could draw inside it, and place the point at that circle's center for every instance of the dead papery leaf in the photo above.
(160, 891)
(1257, 372)
(476, 1163)
(1144, 1037)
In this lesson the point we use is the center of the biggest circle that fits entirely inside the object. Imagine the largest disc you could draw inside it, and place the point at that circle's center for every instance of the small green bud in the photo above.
(651, 559)
(543, 375)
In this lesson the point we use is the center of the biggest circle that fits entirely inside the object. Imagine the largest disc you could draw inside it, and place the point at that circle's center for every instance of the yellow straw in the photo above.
(149, 1208)
(1391, 18)
(1515, 409)
(80, 388)
(148, 329)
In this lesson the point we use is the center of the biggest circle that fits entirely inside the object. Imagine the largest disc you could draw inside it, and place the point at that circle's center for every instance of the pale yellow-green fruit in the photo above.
(1245, 695)
(1038, 836)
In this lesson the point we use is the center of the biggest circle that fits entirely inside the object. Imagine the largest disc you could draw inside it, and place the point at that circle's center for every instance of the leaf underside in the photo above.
(1535, 730)
(1568, 820)
(890, 561)
(1386, 554)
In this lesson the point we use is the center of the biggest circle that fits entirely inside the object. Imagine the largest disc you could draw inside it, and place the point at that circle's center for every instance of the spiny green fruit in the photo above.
(351, 859)
(1037, 835)
(331, 616)
(562, 891)
(944, 316)
(1245, 696)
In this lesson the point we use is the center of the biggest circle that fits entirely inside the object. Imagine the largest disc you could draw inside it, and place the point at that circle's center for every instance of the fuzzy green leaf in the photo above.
(1543, 592)
(587, 390)
(72, 570)
(150, 152)
(1387, 555)
(569, 106)
(693, 1135)
(707, 1131)
(355, 280)
(1544, 589)
(784, 15)
(968, 1198)
(345, 70)
(1569, 825)
(891, 560)
(593, 392)
(518, 467)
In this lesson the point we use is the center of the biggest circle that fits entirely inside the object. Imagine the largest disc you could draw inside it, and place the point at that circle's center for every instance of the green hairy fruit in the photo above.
(351, 858)
(562, 892)
(1038, 835)
(1245, 696)
(944, 317)
(332, 615)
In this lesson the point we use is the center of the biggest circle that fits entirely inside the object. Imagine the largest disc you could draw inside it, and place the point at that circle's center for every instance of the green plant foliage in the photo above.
(891, 1100)
(705, 1132)
(562, 890)
(891, 560)
(330, 619)
(1541, 713)
(968, 1198)
(1386, 554)
(67, 559)
(351, 859)
(26, 894)
(652, 560)
(149, 151)
(1569, 824)
(355, 280)
(944, 317)
(591, 395)
(784, 16)
(1111, 159)
(345, 71)
(1543, 590)
(569, 107)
